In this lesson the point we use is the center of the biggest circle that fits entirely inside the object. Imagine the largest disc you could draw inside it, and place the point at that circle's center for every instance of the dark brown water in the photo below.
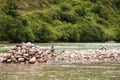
(89, 71)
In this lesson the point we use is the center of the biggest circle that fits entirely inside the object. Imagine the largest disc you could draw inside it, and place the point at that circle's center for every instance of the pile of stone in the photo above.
(27, 53)
(99, 55)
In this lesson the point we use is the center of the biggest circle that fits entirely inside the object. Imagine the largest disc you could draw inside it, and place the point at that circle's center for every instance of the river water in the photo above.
(83, 71)
(65, 46)
(62, 71)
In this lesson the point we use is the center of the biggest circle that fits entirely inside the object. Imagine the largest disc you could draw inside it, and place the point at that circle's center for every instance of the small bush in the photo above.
(91, 33)
(80, 11)
(65, 7)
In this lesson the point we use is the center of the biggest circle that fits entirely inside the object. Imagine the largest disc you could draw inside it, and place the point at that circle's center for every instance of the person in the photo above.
(52, 49)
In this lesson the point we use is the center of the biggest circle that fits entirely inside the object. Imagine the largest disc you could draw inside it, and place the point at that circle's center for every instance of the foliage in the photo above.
(10, 8)
(91, 33)
(60, 20)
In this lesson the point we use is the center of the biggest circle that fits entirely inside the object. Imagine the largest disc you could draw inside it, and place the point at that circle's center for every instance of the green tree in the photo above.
(10, 8)
(44, 33)
(118, 35)
(91, 33)
(15, 29)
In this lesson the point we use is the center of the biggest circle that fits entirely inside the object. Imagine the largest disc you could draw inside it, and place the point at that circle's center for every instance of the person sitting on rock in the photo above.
(52, 49)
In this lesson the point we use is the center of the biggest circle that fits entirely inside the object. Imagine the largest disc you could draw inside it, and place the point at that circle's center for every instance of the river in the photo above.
(61, 71)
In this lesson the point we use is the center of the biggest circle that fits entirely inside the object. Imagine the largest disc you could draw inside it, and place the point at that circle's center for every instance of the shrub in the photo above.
(109, 34)
(91, 33)
(45, 33)
(102, 22)
(68, 17)
(15, 29)
(10, 8)
(65, 7)
(80, 11)
(55, 1)
(101, 11)
(70, 33)
(25, 34)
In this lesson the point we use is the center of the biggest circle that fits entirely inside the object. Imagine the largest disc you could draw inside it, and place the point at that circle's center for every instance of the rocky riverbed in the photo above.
(78, 56)
(29, 53)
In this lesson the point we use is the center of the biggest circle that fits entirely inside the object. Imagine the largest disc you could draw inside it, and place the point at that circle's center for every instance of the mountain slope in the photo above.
(70, 20)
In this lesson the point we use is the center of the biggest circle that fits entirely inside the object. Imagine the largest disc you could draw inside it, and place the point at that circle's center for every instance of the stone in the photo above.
(9, 60)
(25, 55)
(18, 56)
(12, 51)
(14, 60)
(32, 60)
(7, 55)
(4, 59)
(21, 59)
(40, 60)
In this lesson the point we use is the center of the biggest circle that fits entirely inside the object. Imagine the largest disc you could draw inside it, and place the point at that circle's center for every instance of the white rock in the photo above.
(21, 59)
(32, 60)
(9, 60)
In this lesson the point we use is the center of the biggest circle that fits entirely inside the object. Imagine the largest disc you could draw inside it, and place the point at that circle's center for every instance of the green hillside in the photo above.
(60, 20)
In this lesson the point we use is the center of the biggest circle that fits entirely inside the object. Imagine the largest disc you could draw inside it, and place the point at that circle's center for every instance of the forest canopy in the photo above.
(59, 20)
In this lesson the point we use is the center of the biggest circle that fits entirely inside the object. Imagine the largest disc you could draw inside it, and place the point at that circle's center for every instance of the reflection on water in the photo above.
(89, 71)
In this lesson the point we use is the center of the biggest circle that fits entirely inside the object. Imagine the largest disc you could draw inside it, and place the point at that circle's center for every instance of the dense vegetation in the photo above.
(59, 20)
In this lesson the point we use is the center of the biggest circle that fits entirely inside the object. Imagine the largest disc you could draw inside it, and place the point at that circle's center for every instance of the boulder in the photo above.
(9, 60)
(4, 59)
(32, 60)
(21, 59)
(14, 60)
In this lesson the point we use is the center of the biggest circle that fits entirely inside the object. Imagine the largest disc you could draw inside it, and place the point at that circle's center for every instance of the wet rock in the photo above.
(32, 60)
(18, 56)
(4, 59)
(9, 60)
(40, 60)
(12, 51)
(7, 55)
(21, 59)
(89, 55)
(25, 55)
(14, 60)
